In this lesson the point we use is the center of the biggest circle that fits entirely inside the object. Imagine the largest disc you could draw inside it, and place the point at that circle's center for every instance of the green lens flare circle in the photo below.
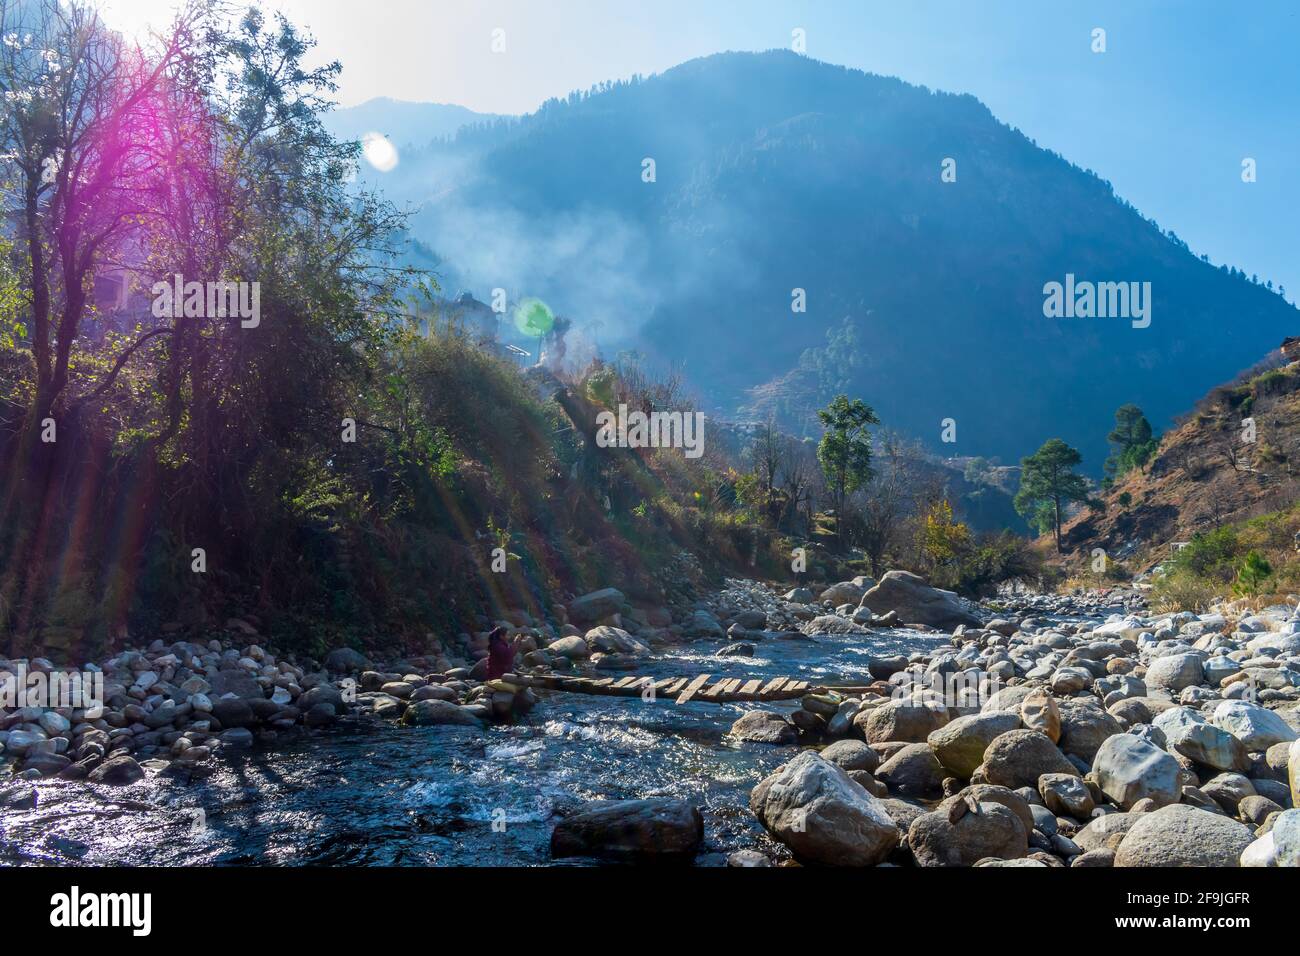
(534, 318)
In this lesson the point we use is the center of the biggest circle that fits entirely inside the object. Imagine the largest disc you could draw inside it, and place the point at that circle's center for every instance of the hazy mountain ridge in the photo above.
(404, 123)
(776, 172)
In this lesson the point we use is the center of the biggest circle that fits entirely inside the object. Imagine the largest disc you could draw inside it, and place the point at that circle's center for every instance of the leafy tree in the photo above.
(1253, 572)
(942, 537)
(977, 471)
(1048, 484)
(12, 329)
(1132, 441)
(845, 451)
(836, 363)
(86, 125)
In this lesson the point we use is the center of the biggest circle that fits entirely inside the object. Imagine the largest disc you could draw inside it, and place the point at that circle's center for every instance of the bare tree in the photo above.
(892, 497)
(798, 477)
(766, 454)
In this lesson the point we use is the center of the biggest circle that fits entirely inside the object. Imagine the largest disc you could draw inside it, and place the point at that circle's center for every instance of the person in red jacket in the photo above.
(501, 652)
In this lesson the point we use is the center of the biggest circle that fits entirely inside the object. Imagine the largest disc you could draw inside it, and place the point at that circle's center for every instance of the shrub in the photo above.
(1209, 555)
(1182, 590)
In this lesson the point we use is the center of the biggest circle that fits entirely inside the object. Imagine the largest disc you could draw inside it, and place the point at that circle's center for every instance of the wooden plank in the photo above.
(796, 687)
(691, 688)
(675, 686)
(772, 686)
(751, 686)
(638, 685)
(723, 686)
(624, 681)
(660, 686)
(603, 682)
(733, 685)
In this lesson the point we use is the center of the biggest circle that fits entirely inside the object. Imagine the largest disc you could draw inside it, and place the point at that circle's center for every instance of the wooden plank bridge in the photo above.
(722, 690)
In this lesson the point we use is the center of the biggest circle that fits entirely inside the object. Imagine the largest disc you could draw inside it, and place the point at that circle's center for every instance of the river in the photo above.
(374, 793)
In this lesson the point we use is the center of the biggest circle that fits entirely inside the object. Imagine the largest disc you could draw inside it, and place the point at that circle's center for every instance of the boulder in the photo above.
(320, 694)
(906, 721)
(1019, 757)
(1228, 790)
(403, 690)
(430, 713)
(345, 660)
(572, 647)
(852, 755)
(1085, 726)
(435, 692)
(614, 640)
(967, 833)
(45, 764)
(1260, 853)
(812, 806)
(846, 592)
(913, 771)
(988, 793)
(1257, 808)
(764, 727)
(1130, 711)
(1182, 835)
(1102, 829)
(915, 602)
(238, 682)
(703, 624)
(1293, 772)
(1129, 769)
(1066, 795)
(960, 744)
(1188, 733)
(1095, 858)
(1256, 727)
(1038, 711)
(739, 649)
(1173, 672)
(1286, 838)
(659, 828)
(1070, 680)
(596, 606)
(232, 712)
(117, 771)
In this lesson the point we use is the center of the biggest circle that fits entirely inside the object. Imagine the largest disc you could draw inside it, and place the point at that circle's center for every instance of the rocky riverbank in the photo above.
(1167, 740)
(1040, 731)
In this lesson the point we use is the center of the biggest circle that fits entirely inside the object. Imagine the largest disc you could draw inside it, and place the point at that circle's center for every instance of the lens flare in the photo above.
(379, 152)
(534, 318)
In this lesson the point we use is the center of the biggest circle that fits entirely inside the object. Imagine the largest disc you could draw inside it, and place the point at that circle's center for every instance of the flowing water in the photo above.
(374, 793)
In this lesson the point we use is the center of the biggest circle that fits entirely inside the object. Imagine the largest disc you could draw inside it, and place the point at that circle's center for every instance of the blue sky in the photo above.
(1184, 92)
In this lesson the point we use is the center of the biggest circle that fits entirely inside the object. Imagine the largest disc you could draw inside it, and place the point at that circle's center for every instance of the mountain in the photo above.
(404, 124)
(774, 172)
